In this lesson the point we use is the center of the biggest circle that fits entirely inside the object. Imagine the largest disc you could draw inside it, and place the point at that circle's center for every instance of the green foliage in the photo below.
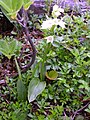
(14, 111)
(11, 7)
(44, 54)
(35, 88)
(21, 90)
(9, 47)
(56, 113)
(67, 53)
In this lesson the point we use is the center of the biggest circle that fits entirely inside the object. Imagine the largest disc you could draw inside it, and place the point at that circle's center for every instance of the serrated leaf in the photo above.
(35, 88)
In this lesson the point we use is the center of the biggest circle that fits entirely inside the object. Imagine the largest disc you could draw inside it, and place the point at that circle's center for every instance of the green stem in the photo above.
(42, 71)
(18, 69)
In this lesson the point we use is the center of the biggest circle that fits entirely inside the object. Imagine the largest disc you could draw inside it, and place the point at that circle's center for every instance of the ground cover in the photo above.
(57, 85)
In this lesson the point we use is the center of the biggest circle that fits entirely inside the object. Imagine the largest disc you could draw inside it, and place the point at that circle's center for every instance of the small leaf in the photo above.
(35, 88)
(52, 75)
(21, 90)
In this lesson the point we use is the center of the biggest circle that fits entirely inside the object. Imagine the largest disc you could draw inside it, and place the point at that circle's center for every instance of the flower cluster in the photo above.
(50, 22)
(54, 21)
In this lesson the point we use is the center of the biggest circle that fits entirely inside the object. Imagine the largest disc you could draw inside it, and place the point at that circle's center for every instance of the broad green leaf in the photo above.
(5, 53)
(4, 45)
(5, 13)
(9, 48)
(4, 49)
(52, 75)
(11, 7)
(35, 88)
(6, 5)
(21, 90)
(16, 5)
(13, 15)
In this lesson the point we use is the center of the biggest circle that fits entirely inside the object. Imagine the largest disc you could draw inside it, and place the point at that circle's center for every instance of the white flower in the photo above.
(56, 14)
(47, 24)
(50, 39)
(61, 10)
(56, 11)
(59, 22)
(50, 22)
(56, 21)
(56, 8)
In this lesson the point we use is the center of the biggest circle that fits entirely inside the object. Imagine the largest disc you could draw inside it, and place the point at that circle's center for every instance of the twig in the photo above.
(23, 21)
(75, 113)
(65, 115)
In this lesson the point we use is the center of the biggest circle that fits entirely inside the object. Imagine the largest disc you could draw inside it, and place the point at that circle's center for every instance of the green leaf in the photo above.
(9, 48)
(6, 5)
(4, 48)
(27, 3)
(12, 46)
(52, 75)
(4, 45)
(21, 90)
(11, 7)
(5, 13)
(35, 88)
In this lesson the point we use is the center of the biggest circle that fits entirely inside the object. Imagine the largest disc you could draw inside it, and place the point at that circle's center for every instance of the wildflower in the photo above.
(56, 11)
(56, 8)
(59, 22)
(47, 24)
(49, 39)
(50, 22)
